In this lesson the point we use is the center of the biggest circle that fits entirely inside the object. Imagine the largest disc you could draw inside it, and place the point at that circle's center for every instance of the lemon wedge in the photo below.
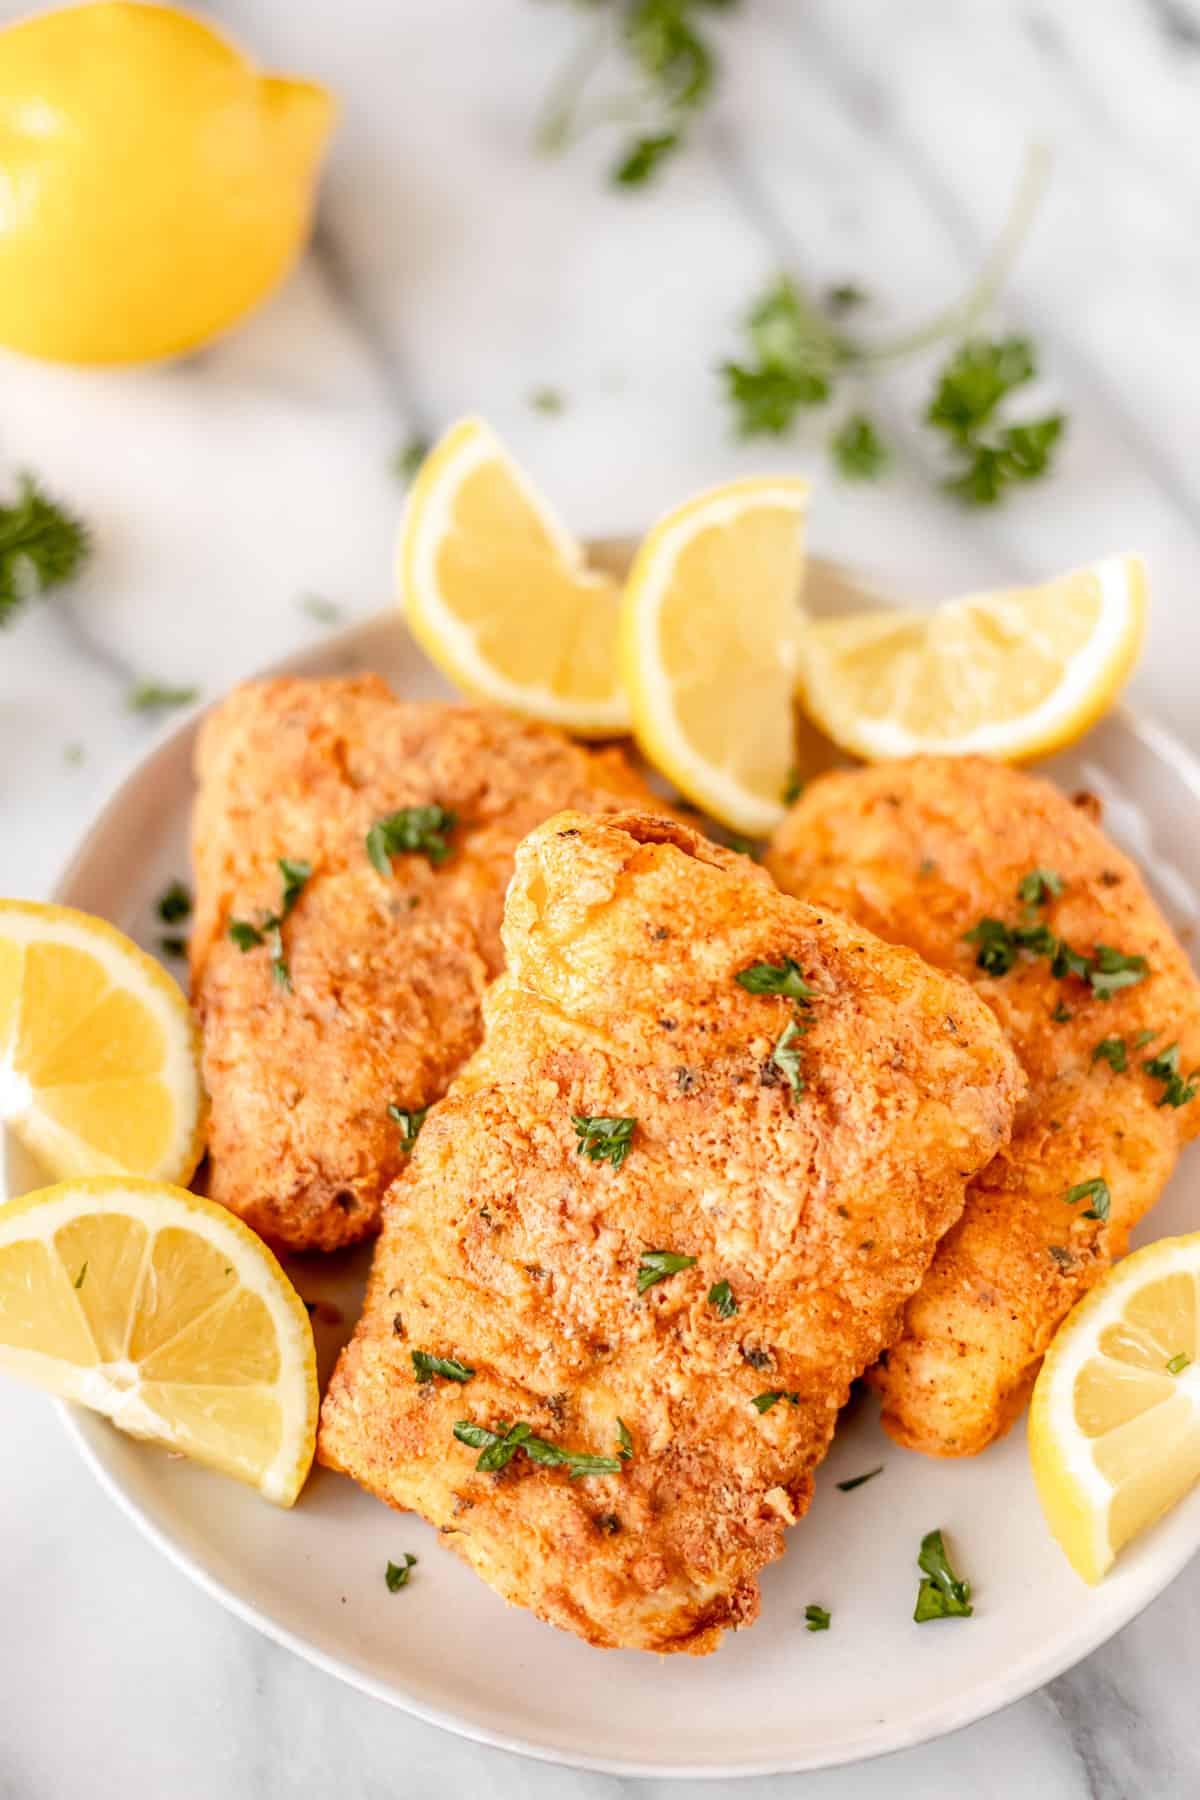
(498, 593)
(99, 1056)
(1114, 1426)
(709, 625)
(1012, 675)
(155, 185)
(165, 1312)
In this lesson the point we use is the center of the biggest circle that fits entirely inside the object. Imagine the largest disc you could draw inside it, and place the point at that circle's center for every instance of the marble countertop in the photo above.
(453, 270)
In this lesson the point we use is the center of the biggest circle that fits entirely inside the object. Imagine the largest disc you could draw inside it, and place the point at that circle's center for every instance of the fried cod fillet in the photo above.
(664, 1218)
(921, 852)
(377, 1002)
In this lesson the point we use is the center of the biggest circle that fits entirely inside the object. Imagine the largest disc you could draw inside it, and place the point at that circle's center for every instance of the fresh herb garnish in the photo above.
(547, 400)
(816, 1618)
(78, 1281)
(41, 546)
(603, 1139)
(245, 935)
(74, 754)
(970, 390)
(1106, 971)
(858, 451)
(793, 789)
(624, 1441)
(1112, 1051)
(720, 1297)
(294, 874)
(1095, 1190)
(844, 296)
(325, 612)
(1060, 1015)
(1165, 1067)
(997, 946)
(1142, 1038)
(783, 978)
(173, 946)
(656, 1265)
(426, 1366)
(941, 1594)
(847, 1487)
(497, 1449)
(410, 1123)
(786, 1056)
(764, 1402)
(1111, 970)
(409, 458)
(397, 1574)
(155, 696)
(1176, 1366)
(418, 830)
(1039, 887)
(174, 903)
(794, 356)
(248, 936)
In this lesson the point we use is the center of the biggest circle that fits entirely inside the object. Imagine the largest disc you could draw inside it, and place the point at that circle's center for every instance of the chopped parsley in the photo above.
(855, 1481)
(426, 1366)
(1142, 1038)
(783, 978)
(497, 1449)
(764, 1402)
(603, 1139)
(417, 830)
(720, 1298)
(248, 936)
(858, 451)
(793, 788)
(624, 1441)
(547, 400)
(786, 1055)
(656, 1265)
(317, 607)
(1165, 1068)
(1176, 1366)
(173, 946)
(41, 546)
(1095, 1190)
(1060, 1015)
(1111, 970)
(1106, 971)
(397, 1574)
(941, 1594)
(174, 903)
(988, 456)
(410, 1123)
(408, 459)
(1039, 887)
(1112, 1051)
(78, 1281)
(156, 696)
(816, 1618)
(997, 945)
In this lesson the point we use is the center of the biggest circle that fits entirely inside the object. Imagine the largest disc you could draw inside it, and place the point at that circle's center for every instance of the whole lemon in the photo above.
(153, 185)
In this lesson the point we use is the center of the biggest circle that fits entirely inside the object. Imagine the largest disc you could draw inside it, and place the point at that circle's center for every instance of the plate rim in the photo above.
(1166, 747)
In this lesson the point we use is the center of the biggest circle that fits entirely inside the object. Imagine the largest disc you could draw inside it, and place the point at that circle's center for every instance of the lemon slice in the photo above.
(1114, 1427)
(99, 1055)
(498, 594)
(1011, 675)
(165, 1312)
(709, 625)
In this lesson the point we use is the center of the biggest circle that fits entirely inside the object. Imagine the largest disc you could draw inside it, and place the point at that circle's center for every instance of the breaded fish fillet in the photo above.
(665, 1213)
(921, 852)
(385, 970)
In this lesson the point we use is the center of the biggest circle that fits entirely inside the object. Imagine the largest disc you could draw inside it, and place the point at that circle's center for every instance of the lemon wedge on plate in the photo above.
(709, 626)
(165, 1312)
(498, 592)
(1012, 675)
(99, 1055)
(1114, 1426)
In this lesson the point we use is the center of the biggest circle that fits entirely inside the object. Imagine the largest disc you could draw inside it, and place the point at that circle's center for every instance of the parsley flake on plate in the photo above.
(397, 1574)
(855, 1481)
(941, 1594)
(656, 1265)
(816, 1618)
(174, 903)
(248, 936)
(1039, 887)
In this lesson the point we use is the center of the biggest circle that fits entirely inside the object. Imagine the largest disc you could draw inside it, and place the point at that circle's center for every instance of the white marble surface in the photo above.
(452, 270)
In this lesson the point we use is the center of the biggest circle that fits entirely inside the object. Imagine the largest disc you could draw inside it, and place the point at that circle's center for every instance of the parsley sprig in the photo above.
(497, 1449)
(1106, 970)
(603, 1139)
(42, 546)
(784, 978)
(248, 936)
(656, 1265)
(414, 830)
(941, 1594)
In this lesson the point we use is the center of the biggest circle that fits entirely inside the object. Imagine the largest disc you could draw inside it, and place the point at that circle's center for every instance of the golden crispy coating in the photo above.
(386, 973)
(920, 852)
(507, 1249)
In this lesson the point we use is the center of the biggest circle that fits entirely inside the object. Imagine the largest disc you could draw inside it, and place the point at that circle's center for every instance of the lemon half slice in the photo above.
(99, 1055)
(1114, 1426)
(498, 593)
(165, 1312)
(1012, 675)
(709, 625)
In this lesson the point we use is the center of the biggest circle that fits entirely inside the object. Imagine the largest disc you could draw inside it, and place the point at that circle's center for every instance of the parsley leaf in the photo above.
(41, 546)
(844, 297)
(245, 935)
(248, 936)
(1176, 1366)
(409, 458)
(794, 788)
(174, 903)
(624, 1441)
(795, 355)
(858, 451)
(1095, 1190)
(776, 978)
(941, 1594)
(816, 1618)
(324, 612)
(640, 161)
(397, 1574)
(410, 1123)
(1112, 1051)
(1039, 887)
(155, 696)
(855, 1481)
(1111, 970)
(497, 1449)
(414, 829)
(426, 1366)
(720, 1297)
(603, 1139)
(764, 1402)
(975, 380)
(79, 1279)
(546, 400)
(1165, 1067)
(294, 874)
(997, 946)
(173, 946)
(656, 1265)
(786, 1056)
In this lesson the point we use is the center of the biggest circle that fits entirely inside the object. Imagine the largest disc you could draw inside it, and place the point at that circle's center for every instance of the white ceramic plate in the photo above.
(776, 1697)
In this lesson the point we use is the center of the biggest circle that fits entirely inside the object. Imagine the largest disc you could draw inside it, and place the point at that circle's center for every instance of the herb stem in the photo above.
(556, 129)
